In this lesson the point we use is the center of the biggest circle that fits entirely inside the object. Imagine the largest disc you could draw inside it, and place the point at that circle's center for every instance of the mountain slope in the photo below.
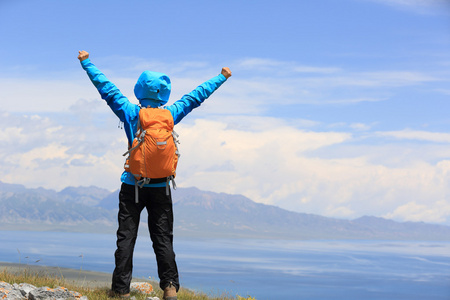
(71, 209)
(206, 213)
(197, 214)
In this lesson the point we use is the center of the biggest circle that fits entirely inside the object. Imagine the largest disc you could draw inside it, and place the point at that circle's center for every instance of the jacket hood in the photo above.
(152, 88)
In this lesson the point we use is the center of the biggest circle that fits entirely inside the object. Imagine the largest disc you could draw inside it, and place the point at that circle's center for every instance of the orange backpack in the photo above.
(153, 156)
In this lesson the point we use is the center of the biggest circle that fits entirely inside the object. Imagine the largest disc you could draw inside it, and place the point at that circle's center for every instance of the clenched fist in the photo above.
(226, 72)
(82, 55)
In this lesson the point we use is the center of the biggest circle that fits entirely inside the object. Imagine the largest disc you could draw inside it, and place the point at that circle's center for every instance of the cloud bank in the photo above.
(274, 164)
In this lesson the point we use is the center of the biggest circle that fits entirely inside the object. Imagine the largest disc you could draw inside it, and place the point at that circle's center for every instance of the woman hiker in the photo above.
(152, 90)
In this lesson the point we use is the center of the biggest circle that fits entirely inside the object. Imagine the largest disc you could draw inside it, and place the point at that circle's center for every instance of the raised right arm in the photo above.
(120, 105)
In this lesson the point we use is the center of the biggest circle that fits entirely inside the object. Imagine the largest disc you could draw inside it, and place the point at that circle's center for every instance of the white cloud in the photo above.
(384, 79)
(437, 212)
(360, 126)
(281, 67)
(419, 6)
(38, 151)
(34, 95)
(443, 91)
(409, 134)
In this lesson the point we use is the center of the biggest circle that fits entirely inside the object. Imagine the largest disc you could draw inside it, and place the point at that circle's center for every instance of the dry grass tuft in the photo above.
(39, 279)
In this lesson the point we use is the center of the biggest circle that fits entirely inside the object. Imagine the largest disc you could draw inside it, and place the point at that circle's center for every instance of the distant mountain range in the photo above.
(197, 214)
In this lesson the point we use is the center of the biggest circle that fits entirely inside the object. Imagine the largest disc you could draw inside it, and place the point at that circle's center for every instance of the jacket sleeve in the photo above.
(120, 105)
(195, 98)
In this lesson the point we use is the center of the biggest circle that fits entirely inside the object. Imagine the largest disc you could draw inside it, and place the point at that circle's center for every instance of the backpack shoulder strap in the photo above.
(139, 135)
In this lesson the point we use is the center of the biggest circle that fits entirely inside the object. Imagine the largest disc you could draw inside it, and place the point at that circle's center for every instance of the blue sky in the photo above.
(338, 108)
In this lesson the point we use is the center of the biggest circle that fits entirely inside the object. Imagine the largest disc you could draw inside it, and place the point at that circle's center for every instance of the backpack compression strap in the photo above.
(139, 137)
(140, 184)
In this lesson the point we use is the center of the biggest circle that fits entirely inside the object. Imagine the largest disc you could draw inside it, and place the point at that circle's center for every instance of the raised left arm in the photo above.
(195, 98)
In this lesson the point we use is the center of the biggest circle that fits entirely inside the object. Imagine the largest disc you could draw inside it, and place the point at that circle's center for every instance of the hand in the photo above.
(226, 72)
(82, 55)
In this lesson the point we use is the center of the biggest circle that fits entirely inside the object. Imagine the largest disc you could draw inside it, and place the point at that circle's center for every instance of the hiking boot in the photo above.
(170, 292)
(113, 294)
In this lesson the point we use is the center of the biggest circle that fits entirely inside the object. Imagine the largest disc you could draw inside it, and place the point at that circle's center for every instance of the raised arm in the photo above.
(119, 104)
(195, 98)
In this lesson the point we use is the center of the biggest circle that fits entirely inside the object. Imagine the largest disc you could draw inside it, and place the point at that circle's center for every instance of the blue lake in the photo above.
(265, 269)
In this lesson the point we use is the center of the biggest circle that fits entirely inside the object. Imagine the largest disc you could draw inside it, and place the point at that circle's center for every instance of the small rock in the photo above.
(8, 292)
(45, 293)
(26, 291)
(24, 288)
(5, 285)
(14, 295)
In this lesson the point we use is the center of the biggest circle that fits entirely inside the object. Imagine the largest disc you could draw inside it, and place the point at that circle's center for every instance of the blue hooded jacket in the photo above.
(152, 89)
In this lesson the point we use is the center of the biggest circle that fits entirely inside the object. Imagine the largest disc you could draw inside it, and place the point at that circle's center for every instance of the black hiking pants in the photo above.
(160, 225)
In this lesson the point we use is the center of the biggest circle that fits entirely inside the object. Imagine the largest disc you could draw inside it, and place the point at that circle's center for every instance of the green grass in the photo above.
(40, 279)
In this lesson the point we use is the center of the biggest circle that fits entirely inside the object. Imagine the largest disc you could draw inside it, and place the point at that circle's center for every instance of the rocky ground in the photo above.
(77, 277)
(25, 291)
(30, 292)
